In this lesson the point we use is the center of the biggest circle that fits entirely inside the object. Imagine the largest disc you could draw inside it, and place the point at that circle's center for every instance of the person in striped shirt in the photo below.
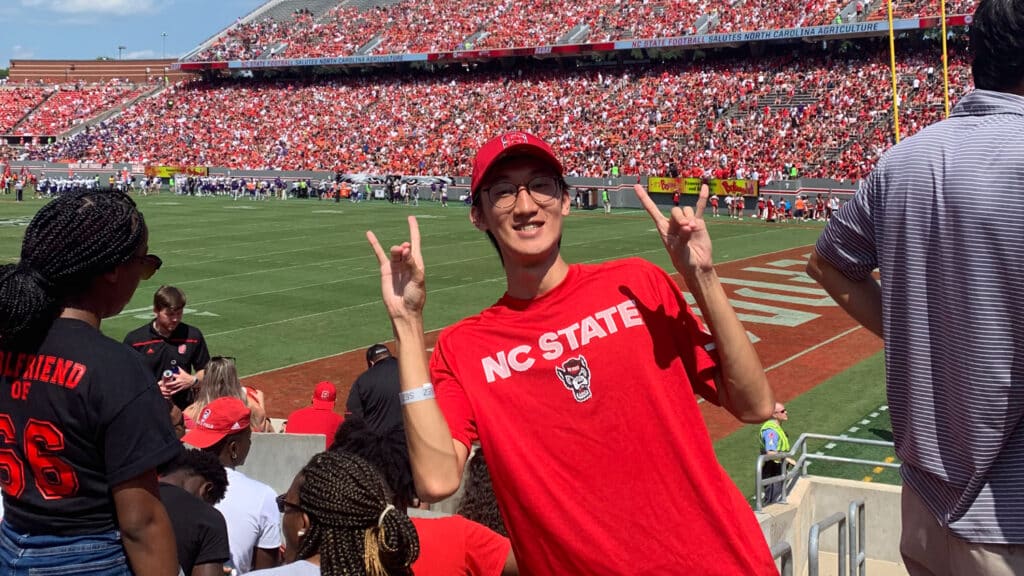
(940, 217)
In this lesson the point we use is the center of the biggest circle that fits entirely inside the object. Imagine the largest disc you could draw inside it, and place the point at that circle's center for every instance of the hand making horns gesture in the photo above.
(402, 280)
(683, 232)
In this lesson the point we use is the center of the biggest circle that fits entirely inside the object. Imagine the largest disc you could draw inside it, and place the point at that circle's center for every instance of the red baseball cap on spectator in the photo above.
(505, 145)
(219, 419)
(324, 395)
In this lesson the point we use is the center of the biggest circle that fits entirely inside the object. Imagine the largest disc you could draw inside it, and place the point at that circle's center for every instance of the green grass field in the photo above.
(276, 283)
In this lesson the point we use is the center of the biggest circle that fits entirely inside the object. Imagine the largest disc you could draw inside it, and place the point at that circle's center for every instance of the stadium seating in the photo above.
(16, 101)
(70, 105)
(913, 8)
(389, 27)
(828, 116)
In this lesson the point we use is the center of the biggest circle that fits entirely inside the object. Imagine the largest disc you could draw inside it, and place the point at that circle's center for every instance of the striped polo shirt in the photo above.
(942, 218)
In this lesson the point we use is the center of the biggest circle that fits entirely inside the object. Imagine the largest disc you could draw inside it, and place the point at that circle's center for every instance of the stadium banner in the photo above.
(170, 171)
(762, 35)
(340, 61)
(729, 187)
(872, 28)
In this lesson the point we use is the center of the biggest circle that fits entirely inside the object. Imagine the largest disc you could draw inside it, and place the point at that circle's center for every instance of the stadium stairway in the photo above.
(112, 112)
(17, 124)
(283, 10)
(815, 499)
(256, 13)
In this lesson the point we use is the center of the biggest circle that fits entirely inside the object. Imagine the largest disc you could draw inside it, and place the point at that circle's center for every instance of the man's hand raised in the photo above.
(402, 276)
(683, 233)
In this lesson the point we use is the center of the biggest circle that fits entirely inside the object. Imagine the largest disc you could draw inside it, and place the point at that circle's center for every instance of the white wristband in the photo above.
(425, 392)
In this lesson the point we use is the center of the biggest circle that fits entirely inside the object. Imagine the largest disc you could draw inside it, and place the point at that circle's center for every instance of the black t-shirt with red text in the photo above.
(78, 415)
(184, 348)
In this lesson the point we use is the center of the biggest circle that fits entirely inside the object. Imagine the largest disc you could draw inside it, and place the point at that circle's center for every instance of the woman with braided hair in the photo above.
(339, 521)
(82, 427)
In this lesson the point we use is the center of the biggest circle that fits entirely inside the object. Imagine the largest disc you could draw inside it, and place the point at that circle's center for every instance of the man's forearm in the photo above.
(861, 299)
(432, 455)
(745, 391)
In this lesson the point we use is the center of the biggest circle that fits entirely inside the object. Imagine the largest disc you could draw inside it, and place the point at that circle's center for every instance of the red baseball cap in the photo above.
(506, 145)
(324, 395)
(219, 419)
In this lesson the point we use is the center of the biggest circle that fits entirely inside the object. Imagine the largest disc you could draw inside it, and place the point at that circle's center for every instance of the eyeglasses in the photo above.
(283, 504)
(150, 264)
(542, 189)
(783, 411)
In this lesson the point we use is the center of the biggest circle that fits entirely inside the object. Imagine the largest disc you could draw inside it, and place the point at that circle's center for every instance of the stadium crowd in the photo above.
(825, 115)
(69, 105)
(16, 102)
(444, 25)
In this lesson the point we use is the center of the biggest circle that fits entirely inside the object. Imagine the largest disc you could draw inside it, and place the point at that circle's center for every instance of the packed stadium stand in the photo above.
(16, 102)
(316, 29)
(68, 105)
(829, 115)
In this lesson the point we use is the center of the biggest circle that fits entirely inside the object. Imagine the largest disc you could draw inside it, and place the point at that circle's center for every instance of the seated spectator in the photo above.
(449, 544)
(221, 381)
(189, 487)
(338, 520)
(254, 525)
(318, 418)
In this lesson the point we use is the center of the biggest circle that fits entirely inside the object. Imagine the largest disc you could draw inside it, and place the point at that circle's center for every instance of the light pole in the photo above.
(163, 52)
(120, 52)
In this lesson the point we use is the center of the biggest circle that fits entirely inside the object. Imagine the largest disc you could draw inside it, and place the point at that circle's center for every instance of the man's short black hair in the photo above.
(997, 41)
(201, 463)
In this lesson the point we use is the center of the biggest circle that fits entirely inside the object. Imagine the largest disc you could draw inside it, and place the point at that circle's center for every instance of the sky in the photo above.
(87, 29)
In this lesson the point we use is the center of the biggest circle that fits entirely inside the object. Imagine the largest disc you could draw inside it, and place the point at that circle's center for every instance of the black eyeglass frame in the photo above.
(152, 264)
(507, 199)
(283, 504)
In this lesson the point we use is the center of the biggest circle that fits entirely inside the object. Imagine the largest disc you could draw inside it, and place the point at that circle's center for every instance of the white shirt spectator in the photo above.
(250, 511)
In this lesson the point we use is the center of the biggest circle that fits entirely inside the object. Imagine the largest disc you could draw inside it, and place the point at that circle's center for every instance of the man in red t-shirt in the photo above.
(320, 417)
(568, 420)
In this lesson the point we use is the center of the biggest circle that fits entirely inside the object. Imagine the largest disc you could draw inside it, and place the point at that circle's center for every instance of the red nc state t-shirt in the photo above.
(583, 400)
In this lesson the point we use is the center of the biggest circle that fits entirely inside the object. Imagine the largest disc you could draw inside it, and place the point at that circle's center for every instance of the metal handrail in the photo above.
(858, 553)
(783, 552)
(788, 476)
(813, 543)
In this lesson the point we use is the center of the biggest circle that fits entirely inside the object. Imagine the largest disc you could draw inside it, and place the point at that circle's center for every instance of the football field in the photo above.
(291, 289)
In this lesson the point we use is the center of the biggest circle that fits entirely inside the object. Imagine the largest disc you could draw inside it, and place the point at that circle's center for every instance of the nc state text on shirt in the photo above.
(597, 325)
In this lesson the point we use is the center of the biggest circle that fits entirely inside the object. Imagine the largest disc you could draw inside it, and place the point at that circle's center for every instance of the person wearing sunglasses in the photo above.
(773, 441)
(175, 352)
(221, 380)
(83, 427)
(338, 520)
(581, 380)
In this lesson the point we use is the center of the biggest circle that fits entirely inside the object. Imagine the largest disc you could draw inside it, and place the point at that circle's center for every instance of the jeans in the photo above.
(95, 554)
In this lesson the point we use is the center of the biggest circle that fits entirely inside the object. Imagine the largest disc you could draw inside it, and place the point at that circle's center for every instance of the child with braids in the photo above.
(339, 520)
(83, 428)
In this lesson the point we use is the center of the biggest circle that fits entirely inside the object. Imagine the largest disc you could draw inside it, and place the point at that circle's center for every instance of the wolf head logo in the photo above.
(575, 374)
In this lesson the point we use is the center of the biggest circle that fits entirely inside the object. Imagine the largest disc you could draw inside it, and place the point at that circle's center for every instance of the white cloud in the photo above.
(115, 7)
(19, 52)
(140, 55)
